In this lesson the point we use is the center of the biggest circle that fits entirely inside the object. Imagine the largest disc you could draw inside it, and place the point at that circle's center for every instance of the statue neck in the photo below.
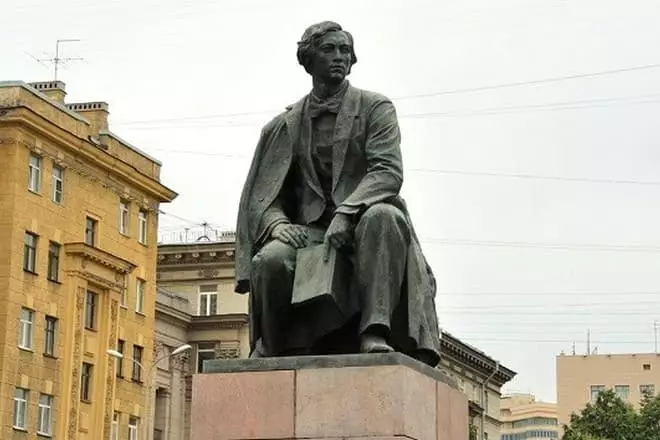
(324, 90)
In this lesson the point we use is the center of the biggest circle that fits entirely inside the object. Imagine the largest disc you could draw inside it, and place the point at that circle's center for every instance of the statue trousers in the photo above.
(380, 245)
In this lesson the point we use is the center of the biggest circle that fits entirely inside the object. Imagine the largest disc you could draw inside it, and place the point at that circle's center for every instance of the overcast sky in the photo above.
(538, 204)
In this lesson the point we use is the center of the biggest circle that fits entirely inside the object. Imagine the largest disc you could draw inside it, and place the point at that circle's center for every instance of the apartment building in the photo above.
(525, 418)
(581, 377)
(78, 220)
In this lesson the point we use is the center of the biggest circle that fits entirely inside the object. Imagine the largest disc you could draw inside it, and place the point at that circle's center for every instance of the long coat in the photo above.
(367, 169)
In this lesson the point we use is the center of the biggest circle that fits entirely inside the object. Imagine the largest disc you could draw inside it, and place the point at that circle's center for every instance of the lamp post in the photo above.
(147, 390)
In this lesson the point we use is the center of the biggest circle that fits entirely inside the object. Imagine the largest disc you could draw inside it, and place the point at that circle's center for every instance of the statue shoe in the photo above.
(374, 344)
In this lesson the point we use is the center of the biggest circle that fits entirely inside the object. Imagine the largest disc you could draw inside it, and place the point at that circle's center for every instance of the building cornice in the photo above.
(96, 255)
(81, 147)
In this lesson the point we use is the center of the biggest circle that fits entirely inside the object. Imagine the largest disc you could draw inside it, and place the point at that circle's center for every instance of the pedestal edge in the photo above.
(327, 361)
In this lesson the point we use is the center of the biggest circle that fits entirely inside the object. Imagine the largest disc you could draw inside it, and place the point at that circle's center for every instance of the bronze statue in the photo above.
(325, 178)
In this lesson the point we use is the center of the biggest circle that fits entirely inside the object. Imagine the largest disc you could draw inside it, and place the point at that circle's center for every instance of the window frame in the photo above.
(34, 173)
(45, 409)
(136, 373)
(54, 253)
(121, 346)
(26, 330)
(18, 403)
(143, 226)
(58, 189)
(618, 388)
(91, 315)
(86, 380)
(206, 298)
(114, 426)
(50, 335)
(133, 426)
(91, 231)
(595, 388)
(212, 349)
(30, 252)
(124, 217)
(140, 292)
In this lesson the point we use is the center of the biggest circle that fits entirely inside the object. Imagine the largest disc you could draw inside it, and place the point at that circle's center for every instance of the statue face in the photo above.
(332, 58)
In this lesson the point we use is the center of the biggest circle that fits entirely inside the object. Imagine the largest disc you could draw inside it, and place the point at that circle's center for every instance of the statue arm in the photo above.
(384, 175)
(277, 213)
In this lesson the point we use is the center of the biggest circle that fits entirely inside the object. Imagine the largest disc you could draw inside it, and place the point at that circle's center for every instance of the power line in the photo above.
(422, 95)
(541, 245)
(570, 293)
(532, 82)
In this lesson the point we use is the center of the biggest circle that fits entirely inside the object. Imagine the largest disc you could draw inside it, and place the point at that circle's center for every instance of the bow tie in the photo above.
(317, 108)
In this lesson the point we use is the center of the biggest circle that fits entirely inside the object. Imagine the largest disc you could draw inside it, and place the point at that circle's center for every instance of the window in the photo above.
(645, 390)
(53, 261)
(208, 299)
(90, 231)
(58, 184)
(49, 339)
(124, 217)
(142, 224)
(205, 351)
(137, 363)
(622, 391)
(25, 327)
(20, 408)
(91, 304)
(34, 173)
(114, 429)
(45, 425)
(133, 428)
(30, 252)
(140, 287)
(86, 381)
(646, 367)
(120, 361)
(595, 391)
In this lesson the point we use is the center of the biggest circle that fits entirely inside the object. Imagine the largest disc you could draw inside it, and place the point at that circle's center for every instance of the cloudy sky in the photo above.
(531, 139)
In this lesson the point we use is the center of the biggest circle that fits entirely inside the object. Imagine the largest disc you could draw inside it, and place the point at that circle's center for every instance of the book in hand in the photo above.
(319, 280)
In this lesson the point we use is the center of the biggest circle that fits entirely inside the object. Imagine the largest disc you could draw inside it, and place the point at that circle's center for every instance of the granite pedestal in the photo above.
(374, 396)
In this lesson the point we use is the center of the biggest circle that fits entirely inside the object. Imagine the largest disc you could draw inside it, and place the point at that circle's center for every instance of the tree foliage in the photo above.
(610, 418)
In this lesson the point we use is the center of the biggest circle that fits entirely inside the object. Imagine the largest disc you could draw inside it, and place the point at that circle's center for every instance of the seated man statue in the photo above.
(327, 172)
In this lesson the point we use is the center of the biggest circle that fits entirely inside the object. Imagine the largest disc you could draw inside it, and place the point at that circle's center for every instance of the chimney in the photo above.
(53, 89)
(95, 112)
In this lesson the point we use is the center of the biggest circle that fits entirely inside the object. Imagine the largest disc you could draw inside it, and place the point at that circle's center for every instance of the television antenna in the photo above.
(57, 60)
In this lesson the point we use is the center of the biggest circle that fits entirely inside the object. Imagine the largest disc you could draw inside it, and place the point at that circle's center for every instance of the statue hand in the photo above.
(293, 235)
(339, 233)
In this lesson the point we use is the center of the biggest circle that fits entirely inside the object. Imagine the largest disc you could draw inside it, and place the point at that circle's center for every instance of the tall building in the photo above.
(581, 378)
(78, 221)
(525, 418)
(197, 305)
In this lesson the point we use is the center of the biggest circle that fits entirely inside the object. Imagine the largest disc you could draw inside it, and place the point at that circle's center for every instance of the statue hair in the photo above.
(310, 40)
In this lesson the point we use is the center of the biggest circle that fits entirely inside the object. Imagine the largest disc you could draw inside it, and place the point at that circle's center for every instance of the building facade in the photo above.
(196, 305)
(78, 222)
(525, 418)
(581, 377)
(481, 378)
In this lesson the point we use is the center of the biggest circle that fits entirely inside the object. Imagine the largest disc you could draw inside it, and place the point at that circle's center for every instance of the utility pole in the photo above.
(57, 60)
(588, 341)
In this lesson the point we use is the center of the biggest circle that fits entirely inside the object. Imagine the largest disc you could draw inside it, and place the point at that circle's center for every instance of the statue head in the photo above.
(326, 51)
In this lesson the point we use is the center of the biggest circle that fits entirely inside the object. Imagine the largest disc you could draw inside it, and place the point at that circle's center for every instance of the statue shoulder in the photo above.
(371, 98)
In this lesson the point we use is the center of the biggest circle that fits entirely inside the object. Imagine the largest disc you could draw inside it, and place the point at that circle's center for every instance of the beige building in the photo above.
(196, 305)
(581, 377)
(78, 220)
(525, 418)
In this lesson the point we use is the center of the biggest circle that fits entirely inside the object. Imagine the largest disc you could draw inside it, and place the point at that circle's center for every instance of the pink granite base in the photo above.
(362, 402)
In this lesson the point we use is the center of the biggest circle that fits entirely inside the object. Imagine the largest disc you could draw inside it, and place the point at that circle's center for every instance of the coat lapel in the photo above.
(343, 128)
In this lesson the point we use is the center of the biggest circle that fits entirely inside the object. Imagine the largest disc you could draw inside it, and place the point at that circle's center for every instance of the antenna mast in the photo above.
(57, 60)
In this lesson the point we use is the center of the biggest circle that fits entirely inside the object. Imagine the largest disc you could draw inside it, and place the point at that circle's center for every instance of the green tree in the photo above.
(609, 418)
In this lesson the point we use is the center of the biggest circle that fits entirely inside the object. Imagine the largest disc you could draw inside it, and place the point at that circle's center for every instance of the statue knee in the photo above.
(383, 212)
(273, 255)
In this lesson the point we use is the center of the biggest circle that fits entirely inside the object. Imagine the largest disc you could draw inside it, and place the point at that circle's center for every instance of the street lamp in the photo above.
(147, 398)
